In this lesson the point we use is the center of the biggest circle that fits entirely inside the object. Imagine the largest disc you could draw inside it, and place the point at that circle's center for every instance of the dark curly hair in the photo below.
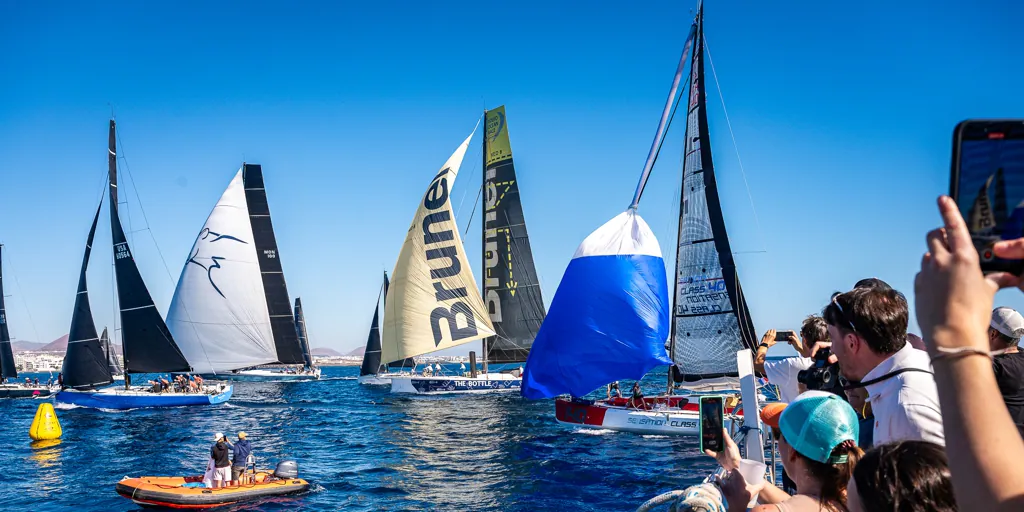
(905, 476)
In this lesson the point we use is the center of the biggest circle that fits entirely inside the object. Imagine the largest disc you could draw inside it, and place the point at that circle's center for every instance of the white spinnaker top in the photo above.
(433, 302)
(218, 315)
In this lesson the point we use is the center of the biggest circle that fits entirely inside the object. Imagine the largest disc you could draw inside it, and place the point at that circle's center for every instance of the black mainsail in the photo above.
(7, 368)
(300, 330)
(85, 361)
(511, 289)
(282, 320)
(148, 345)
(711, 321)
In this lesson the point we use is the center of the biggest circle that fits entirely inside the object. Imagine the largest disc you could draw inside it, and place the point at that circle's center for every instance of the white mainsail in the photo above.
(433, 302)
(219, 315)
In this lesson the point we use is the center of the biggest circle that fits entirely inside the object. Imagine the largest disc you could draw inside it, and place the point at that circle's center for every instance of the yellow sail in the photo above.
(433, 302)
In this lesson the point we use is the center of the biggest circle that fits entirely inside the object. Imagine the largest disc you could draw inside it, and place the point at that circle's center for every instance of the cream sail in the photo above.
(219, 315)
(433, 302)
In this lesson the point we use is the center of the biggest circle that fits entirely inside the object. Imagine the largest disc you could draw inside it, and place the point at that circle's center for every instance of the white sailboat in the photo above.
(433, 302)
(220, 315)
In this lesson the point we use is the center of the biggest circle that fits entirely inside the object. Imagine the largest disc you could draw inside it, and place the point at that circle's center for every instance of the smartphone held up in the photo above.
(712, 423)
(987, 183)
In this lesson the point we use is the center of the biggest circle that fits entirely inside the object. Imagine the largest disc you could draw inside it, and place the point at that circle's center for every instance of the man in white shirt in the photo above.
(783, 372)
(868, 329)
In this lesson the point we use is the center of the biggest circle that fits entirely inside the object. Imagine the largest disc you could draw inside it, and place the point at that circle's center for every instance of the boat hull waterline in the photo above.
(488, 383)
(149, 491)
(22, 391)
(673, 421)
(140, 397)
(265, 376)
(381, 379)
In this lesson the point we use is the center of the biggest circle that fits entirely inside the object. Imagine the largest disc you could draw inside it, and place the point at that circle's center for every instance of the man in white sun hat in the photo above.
(1004, 333)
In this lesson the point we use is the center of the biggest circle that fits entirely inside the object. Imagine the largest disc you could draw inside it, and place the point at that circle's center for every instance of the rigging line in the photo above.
(735, 147)
(476, 202)
(143, 210)
(10, 262)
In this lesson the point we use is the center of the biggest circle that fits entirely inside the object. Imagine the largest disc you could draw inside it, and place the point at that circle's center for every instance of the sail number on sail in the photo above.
(121, 251)
(442, 246)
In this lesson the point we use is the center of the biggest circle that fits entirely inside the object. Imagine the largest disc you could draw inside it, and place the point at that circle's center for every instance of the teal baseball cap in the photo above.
(816, 423)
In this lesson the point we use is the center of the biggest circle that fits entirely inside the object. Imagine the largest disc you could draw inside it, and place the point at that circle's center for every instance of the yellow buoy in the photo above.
(45, 425)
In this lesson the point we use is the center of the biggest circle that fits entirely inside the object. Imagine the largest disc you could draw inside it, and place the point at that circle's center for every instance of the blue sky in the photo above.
(842, 114)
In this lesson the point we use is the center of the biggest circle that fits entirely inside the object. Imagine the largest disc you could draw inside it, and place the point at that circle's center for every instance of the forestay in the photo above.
(433, 302)
(219, 314)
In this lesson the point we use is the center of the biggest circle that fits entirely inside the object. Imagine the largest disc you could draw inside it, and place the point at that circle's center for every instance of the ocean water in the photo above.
(361, 448)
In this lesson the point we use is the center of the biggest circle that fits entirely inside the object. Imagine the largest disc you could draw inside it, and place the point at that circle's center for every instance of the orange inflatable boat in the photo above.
(189, 493)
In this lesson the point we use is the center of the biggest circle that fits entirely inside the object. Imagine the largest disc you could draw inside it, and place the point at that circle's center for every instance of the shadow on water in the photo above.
(360, 447)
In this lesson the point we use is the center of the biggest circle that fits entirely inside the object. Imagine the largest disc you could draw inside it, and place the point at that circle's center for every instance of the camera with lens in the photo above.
(823, 376)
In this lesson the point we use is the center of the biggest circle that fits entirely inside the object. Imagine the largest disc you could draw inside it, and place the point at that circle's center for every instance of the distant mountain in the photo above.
(327, 352)
(26, 346)
(57, 345)
(357, 352)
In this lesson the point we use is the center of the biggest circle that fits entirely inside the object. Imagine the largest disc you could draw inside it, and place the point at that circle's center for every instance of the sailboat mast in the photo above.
(383, 302)
(483, 226)
(112, 181)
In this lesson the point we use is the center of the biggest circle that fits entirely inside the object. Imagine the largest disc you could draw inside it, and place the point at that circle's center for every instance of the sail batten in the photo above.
(147, 343)
(218, 314)
(85, 360)
(711, 320)
(510, 287)
(433, 302)
(286, 339)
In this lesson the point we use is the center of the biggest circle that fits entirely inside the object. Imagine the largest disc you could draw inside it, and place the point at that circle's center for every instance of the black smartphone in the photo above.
(712, 422)
(987, 183)
(783, 336)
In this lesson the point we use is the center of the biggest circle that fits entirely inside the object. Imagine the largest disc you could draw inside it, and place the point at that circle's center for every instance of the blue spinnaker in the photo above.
(609, 318)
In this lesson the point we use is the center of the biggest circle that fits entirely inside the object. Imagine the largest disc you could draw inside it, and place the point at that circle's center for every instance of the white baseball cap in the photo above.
(218, 436)
(1008, 322)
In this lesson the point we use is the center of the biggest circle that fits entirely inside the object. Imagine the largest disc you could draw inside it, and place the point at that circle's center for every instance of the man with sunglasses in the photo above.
(868, 328)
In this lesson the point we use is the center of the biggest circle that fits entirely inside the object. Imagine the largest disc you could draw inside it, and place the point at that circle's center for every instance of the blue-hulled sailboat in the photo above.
(148, 345)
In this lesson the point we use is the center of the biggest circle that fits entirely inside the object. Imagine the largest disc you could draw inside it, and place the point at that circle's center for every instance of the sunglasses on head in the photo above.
(842, 312)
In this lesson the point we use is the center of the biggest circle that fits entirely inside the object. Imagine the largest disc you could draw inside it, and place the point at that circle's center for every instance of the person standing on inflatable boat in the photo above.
(221, 462)
(242, 451)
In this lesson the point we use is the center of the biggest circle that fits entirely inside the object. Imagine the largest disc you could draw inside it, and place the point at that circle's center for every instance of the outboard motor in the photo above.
(287, 469)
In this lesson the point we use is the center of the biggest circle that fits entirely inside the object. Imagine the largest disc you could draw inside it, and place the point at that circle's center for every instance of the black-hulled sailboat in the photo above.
(8, 370)
(231, 313)
(708, 325)
(512, 302)
(372, 372)
(148, 345)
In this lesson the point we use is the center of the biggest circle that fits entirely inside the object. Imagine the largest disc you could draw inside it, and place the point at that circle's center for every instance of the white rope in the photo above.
(10, 262)
(736, 148)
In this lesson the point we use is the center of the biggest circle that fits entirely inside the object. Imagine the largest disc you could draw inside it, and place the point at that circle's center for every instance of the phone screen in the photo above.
(712, 421)
(988, 186)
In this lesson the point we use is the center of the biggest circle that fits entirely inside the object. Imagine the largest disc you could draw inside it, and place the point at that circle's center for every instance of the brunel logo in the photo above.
(439, 246)
(121, 251)
(207, 237)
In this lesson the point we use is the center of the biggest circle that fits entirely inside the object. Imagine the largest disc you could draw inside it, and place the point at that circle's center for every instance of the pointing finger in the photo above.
(957, 236)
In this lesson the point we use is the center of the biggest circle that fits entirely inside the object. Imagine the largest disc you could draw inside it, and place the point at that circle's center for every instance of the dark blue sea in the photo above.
(361, 448)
